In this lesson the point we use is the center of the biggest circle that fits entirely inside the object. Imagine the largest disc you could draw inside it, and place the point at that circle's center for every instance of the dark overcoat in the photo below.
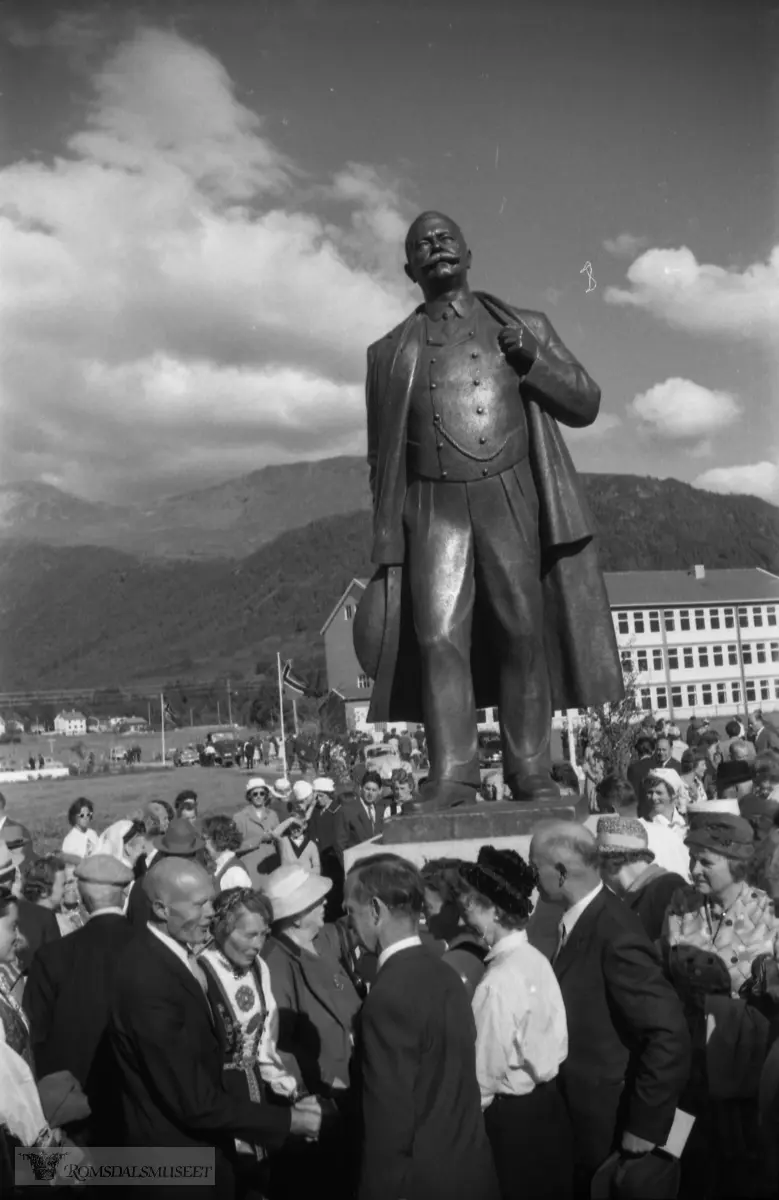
(67, 999)
(581, 649)
(423, 1131)
(628, 1046)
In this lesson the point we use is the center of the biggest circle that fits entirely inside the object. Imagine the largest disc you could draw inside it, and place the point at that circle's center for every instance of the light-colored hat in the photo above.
(670, 777)
(256, 783)
(323, 784)
(293, 890)
(620, 835)
(282, 789)
(302, 792)
(104, 868)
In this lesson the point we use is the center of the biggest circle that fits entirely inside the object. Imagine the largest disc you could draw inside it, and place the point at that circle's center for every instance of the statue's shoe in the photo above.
(529, 788)
(443, 794)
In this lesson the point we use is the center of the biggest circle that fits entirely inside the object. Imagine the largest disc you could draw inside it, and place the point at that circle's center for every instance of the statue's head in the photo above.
(437, 254)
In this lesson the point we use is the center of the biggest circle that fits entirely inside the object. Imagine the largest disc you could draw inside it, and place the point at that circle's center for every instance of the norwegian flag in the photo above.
(294, 684)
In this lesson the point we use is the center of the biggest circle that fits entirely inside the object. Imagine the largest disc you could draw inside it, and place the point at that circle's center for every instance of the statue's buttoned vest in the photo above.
(466, 417)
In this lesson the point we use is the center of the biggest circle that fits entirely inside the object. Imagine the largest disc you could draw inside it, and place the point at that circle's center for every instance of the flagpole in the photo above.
(281, 716)
(162, 725)
(295, 714)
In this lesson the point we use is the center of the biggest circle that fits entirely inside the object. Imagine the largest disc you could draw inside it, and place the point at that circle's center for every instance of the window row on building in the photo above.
(707, 694)
(688, 658)
(755, 616)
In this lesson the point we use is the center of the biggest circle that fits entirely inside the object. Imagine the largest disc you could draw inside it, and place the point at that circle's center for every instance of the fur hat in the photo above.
(504, 878)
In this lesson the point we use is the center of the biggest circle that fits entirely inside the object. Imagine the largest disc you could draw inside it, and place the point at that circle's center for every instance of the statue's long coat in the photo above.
(581, 649)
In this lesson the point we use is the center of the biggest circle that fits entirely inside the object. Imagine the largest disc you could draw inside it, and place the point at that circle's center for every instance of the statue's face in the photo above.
(437, 252)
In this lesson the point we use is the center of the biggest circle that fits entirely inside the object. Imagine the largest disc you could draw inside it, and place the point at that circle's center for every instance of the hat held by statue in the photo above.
(504, 878)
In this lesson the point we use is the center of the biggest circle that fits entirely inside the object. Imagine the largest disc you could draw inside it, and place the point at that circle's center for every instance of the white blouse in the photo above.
(521, 1029)
(80, 842)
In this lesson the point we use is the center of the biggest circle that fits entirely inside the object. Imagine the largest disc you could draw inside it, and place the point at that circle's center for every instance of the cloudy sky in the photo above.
(202, 207)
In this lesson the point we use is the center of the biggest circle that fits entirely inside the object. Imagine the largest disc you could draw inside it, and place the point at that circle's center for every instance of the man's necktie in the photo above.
(561, 940)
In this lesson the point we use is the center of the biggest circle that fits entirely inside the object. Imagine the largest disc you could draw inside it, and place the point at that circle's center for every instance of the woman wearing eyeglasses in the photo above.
(82, 839)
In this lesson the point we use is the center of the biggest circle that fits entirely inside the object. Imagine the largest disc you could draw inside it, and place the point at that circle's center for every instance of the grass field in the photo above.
(43, 804)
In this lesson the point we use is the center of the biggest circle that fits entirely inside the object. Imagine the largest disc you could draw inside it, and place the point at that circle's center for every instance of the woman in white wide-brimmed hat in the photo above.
(317, 1005)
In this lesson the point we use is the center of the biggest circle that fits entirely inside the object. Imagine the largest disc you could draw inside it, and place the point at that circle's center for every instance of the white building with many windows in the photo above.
(698, 641)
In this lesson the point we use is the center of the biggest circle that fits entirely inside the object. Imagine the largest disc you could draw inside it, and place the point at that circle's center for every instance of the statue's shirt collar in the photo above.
(440, 310)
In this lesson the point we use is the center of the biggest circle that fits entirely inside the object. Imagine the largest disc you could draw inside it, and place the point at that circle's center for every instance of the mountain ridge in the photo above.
(231, 520)
(73, 616)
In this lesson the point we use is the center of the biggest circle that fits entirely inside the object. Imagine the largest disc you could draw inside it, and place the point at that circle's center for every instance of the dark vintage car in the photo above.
(490, 751)
(224, 756)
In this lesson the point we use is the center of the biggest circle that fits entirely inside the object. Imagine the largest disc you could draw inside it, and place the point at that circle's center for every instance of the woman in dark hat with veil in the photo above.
(521, 1033)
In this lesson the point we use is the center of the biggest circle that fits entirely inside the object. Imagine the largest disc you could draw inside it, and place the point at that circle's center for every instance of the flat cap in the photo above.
(104, 868)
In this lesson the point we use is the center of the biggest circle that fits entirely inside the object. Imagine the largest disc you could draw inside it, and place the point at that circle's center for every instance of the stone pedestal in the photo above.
(461, 832)
(480, 821)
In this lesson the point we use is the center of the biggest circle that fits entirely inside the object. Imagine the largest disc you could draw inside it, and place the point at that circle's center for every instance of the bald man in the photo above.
(628, 1045)
(482, 536)
(165, 1041)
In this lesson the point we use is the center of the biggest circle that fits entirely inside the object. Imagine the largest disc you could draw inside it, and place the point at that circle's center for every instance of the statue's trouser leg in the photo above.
(504, 519)
(440, 564)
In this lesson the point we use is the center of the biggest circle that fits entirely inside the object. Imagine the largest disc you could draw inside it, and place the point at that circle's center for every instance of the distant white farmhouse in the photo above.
(70, 723)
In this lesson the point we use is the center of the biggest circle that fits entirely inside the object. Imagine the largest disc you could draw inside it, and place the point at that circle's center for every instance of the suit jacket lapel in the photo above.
(174, 963)
(567, 956)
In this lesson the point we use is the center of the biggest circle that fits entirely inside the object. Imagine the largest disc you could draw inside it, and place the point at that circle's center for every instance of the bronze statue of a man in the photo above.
(488, 590)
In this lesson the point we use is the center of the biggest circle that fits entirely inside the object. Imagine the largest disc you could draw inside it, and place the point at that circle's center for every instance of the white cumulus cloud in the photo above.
(755, 479)
(703, 298)
(626, 245)
(175, 301)
(681, 409)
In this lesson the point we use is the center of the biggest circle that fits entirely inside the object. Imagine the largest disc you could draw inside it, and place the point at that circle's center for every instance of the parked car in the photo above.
(188, 757)
(490, 751)
(225, 752)
(382, 759)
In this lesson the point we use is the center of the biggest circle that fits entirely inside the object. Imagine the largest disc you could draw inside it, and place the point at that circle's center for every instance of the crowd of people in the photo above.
(596, 1019)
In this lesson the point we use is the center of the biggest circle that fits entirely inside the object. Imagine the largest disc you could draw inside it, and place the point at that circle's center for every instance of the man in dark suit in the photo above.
(68, 992)
(637, 771)
(423, 1131)
(628, 1045)
(663, 756)
(168, 1049)
(360, 820)
(766, 735)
